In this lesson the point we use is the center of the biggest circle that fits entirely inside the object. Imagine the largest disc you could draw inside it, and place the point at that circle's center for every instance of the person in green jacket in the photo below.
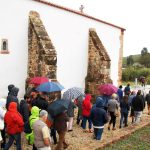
(33, 117)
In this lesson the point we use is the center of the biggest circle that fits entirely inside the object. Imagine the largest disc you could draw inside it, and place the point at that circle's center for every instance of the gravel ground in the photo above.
(78, 140)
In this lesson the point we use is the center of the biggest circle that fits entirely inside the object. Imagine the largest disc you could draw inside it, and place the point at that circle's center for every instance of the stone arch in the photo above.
(98, 64)
(42, 57)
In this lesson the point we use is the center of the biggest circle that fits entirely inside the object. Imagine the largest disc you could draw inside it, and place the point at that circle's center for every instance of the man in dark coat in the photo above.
(12, 97)
(138, 105)
(99, 118)
(70, 113)
(147, 98)
(41, 101)
(60, 124)
(24, 111)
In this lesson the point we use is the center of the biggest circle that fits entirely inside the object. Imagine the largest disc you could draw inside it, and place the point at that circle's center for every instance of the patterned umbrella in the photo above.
(107, 89)
(38, 80)
(73, 93)
(50, 87)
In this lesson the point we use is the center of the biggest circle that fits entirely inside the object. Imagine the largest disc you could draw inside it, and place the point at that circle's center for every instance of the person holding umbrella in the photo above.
(41, 101)
(60, 124)
(70, 113)
(106, 90)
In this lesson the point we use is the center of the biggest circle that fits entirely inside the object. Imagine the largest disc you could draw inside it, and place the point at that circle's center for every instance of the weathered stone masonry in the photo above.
(120, 58)
(98, 64)
(42, 58)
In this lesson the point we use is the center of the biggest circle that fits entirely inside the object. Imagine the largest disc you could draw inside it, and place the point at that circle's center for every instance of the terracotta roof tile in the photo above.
(78, 13)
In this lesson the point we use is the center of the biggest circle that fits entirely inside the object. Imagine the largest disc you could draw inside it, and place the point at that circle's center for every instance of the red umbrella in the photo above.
(38, 80)
(107, 89)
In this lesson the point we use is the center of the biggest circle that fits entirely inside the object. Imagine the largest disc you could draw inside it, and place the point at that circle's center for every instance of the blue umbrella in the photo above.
(50, 87)
(58, 106)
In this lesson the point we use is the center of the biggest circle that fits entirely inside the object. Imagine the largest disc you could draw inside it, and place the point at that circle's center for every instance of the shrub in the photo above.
(130, 73)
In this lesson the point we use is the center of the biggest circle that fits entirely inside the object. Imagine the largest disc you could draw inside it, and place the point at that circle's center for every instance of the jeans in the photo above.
(113, 119)
(17, 138)
(70, 123)
(137, 115)
(124, 119)
(98, 133)
(84, 122)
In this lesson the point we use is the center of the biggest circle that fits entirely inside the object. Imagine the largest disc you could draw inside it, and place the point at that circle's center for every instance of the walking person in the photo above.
(147, 98)
(133, 94)
(124, 110)
(99, 118)
(120, 93)
(24, 111)
(33, 117)
(78, 102)
(41, 132)
(86, 110)
(127, 90)
(70, 113)
(138, 106)
(41, 101)
(112, 107)
(13, 97)
(14, 126)
(60, 124)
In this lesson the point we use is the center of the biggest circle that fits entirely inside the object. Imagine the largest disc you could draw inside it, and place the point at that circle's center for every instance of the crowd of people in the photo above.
(30, 119)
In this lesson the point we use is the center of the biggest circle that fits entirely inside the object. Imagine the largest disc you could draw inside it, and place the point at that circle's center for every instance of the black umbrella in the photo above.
(58, 106)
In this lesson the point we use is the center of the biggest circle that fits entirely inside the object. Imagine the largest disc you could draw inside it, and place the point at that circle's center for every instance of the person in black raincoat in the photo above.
(12, 97)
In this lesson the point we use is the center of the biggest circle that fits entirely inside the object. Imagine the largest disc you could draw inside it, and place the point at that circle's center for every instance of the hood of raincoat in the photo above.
(12, 107)
(99, 102)
(14, 91)
(88, 97)
(35, 111)
(10, 87)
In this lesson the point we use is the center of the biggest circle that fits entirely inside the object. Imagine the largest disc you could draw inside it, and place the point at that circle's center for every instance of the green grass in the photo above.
(140, 140)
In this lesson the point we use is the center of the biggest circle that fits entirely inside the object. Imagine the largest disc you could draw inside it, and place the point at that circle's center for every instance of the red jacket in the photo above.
(86, 106)
(13, 119)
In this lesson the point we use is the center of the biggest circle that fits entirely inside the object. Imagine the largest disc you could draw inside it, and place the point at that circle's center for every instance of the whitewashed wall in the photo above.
(69, 34)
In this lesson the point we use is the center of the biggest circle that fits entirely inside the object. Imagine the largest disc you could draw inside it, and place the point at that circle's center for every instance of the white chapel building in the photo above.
(41, 38)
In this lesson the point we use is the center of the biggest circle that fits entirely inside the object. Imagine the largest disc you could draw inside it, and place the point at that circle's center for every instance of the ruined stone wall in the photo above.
(42, 56)
(120, 59)
(98, 64)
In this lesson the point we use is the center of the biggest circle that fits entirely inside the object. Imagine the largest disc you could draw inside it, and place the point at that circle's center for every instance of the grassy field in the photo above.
(140, 140)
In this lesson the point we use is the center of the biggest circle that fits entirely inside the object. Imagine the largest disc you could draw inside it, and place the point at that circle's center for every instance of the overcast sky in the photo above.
(133, 15)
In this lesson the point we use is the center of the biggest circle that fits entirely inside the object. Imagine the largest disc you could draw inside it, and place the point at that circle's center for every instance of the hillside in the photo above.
(135, 59)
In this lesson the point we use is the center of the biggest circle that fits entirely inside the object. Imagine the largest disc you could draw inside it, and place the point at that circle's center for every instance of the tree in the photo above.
(130, 60)
(144, 51)
(145, 60)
